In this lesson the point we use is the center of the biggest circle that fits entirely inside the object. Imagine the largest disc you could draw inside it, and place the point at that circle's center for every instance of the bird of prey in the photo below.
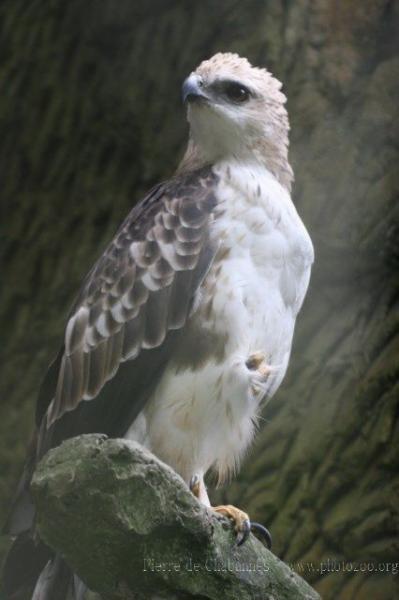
(183, 328)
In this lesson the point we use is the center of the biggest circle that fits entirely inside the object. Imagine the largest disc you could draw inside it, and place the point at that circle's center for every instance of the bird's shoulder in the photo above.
(166, 216)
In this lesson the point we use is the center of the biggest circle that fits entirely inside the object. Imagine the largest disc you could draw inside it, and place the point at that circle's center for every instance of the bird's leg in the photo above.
(257, 362)
(195, 485)
(242, 523)
(240, 518)
(260, 369)
(198, 488)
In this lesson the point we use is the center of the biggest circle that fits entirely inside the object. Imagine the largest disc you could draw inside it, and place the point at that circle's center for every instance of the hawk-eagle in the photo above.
(184, 326)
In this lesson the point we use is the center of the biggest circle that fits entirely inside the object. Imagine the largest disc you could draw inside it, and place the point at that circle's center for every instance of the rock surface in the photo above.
(126, 523)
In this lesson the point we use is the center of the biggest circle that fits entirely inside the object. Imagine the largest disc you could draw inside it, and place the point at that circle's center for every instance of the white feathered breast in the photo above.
(204, 416)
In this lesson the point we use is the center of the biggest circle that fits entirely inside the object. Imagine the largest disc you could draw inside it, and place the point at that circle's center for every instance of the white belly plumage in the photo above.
(204, 417)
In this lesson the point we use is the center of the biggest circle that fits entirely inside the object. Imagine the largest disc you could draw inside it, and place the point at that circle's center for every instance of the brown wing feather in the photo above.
(141, 288)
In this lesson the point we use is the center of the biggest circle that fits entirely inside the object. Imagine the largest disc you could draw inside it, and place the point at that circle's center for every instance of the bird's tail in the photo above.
(33, 572)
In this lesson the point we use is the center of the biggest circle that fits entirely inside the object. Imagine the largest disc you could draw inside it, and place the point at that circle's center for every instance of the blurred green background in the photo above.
(90, 118)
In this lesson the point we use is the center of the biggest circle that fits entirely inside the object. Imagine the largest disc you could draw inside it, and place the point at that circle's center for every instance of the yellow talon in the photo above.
(242, 523)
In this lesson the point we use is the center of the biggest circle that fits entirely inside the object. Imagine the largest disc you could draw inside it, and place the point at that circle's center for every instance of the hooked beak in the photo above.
(192, 90)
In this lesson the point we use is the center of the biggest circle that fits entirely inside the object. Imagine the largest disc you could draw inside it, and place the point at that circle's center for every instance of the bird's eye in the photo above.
(236, 92)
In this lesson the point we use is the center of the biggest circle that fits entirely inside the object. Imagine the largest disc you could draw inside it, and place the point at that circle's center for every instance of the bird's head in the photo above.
(236, 110)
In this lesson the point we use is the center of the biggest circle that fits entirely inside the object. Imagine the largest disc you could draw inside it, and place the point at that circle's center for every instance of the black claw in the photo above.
(243, 534)
(264, 533)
